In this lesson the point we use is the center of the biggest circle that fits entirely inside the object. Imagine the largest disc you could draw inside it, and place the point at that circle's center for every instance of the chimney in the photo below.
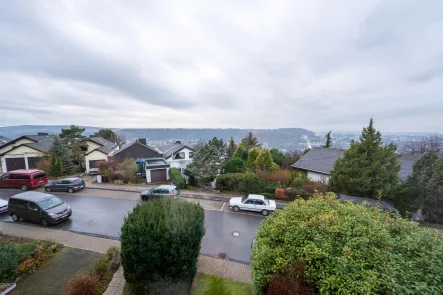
(142, 141)
(178, 142)
(42, 134)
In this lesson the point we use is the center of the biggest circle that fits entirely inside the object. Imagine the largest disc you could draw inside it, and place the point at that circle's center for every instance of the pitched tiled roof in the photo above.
(156, 162)
(106, 145)
(43, 144)
(322, 160)
(319, 159)
(170, 149)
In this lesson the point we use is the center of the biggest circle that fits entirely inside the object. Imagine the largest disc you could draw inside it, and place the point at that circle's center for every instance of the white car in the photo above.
(3, 206)
(256, 203)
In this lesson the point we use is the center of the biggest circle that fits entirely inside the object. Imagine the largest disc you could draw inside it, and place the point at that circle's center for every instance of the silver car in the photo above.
(3, 206)
(162, 191)
(256, 203)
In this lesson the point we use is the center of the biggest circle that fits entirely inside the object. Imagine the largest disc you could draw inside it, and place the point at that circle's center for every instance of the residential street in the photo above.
(96, 215)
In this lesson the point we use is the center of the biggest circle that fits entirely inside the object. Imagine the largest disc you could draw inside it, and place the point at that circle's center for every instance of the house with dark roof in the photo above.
(178, 155)
(318, 163)
(24, 152)
(154, 162)
(151, 163)
(98, 150)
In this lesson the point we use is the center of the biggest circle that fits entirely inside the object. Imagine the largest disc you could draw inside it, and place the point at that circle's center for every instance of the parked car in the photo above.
(69, 185)
(256, 203)
(39, 207)
(94, 171)
(162, 191)
(23, 178)
(3, 206)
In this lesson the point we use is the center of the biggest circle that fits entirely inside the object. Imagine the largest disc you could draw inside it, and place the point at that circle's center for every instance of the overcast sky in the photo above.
(318, 65)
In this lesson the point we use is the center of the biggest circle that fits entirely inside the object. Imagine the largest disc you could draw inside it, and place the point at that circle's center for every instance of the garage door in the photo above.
(95, 163)
(158, 175)
(15, 163)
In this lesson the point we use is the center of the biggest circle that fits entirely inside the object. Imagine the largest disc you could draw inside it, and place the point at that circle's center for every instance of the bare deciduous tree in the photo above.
(432, 143)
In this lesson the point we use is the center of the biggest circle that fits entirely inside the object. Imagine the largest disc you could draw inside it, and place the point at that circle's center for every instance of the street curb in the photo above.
(190, 196)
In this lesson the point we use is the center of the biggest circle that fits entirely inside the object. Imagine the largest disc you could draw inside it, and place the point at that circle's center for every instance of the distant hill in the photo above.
(283, 138)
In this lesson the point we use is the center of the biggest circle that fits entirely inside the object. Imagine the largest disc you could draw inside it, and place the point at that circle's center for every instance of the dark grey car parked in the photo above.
(66, 185)
(39, 207)
(162, 191)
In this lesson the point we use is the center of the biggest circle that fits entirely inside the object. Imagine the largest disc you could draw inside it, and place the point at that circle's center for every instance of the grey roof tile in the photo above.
(169, 149)
(319, 159)
(323, 159)
(106, 145)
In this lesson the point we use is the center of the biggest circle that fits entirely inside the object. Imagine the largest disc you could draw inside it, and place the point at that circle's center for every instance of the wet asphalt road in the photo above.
(104, 216)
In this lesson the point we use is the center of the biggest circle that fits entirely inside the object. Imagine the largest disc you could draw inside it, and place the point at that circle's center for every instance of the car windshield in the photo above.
(244, 199)
(50, 203)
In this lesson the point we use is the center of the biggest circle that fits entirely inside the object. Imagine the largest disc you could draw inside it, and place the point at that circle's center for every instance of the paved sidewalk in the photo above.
(206, 264)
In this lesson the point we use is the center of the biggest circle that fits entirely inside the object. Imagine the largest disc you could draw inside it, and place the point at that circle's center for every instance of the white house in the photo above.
(98, 150)
(177, 155)
(24, 152)
(318, 163)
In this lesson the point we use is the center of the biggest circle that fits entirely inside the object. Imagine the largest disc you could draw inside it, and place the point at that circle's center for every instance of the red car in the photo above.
(23, 178)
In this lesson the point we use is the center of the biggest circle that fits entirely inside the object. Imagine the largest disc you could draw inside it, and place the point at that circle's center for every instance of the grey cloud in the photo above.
(48, 53)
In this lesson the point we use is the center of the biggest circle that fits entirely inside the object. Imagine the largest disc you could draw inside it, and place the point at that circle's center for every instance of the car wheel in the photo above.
(143, 198)
(24, 187)
(15, 217)
(44, 222)
(265, 212)
(236, 208)
(48, 189)
(70, 190)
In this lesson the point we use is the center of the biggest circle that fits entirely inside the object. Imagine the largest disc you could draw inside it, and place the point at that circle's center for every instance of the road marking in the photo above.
(223, 206)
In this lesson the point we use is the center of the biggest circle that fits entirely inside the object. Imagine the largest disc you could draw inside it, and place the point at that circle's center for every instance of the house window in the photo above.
(191, 154)
(180, 156)
(84, 148)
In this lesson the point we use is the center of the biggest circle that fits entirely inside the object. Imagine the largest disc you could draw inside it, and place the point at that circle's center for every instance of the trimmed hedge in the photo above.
(160, 241)
(343, 248)
(246, 183)
(177, 178)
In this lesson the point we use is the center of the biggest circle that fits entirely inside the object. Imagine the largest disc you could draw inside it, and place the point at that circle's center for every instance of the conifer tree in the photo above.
(368, 168)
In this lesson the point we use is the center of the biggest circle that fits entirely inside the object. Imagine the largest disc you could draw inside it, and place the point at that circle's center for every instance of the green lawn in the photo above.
(212, 285)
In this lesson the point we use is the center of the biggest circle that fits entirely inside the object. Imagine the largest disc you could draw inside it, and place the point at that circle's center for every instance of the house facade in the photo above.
(177, 155)
(24, 152)
(155, 162)
(98, 150)
(318, 163)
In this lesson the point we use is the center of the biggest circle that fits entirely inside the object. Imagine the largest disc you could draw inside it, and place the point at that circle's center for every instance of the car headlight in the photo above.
(52, 214)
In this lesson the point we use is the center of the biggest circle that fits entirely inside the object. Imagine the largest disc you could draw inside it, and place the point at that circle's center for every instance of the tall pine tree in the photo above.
(250, 141)
(76, 142)
(368, 168)
(232, 147)
(60, 149)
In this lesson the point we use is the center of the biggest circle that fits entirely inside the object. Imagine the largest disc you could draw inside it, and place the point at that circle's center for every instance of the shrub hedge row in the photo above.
(176, 178)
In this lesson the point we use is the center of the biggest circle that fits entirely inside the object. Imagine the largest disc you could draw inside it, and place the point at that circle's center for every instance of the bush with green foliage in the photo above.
(10, 258)
(160, 242)
(176, 178)
(234, 165)
(343, 248)
(245, 183)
